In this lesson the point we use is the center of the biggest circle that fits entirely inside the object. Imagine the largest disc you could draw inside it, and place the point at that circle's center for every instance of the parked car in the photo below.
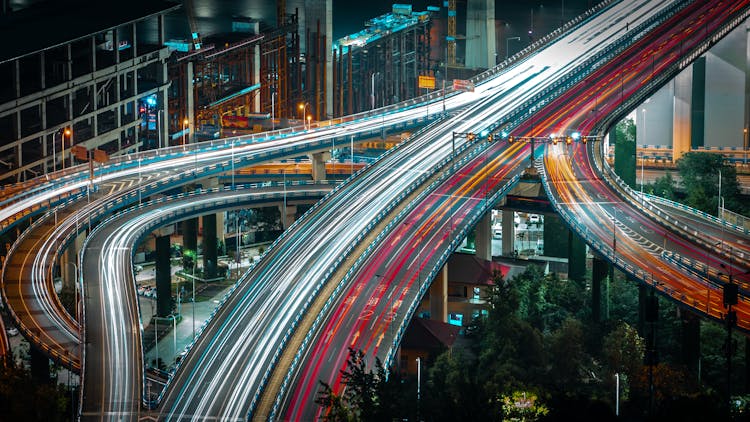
(533, 218)
(12, 331)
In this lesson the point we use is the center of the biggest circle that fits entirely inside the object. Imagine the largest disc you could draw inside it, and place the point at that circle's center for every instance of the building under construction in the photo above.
(245, 80)
(380, 65)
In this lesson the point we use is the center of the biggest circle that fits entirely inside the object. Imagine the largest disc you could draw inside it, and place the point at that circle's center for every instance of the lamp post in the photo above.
(644, 142)
(419, 383)
(303, 107)
(67, 132)
(194, 265)
(184, 132)
(617, 394)
(273, 110)
(507, 45)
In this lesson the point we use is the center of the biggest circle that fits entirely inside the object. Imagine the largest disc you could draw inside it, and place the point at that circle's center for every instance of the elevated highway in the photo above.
(247, 322)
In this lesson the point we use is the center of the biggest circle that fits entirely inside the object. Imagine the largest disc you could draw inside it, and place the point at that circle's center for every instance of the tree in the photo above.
(700, 178)
(523, 406)
(369, 395)
(663, 186)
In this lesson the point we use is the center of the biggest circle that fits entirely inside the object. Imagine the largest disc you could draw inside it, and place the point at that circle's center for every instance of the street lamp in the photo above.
(507, 47)
(419, 382)
(644, 142)
(67, 132)
(184, 132)
(303, 107)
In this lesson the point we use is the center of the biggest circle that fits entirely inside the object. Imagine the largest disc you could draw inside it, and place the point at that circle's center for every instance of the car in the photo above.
(497, 234)
(12, 331)
(137, 268)
(533, 218)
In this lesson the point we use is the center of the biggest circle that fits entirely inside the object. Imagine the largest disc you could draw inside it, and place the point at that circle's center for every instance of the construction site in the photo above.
(274, 65)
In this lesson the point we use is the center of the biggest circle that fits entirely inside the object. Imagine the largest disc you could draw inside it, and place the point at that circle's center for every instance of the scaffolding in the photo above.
(380, 65)
(236, 79)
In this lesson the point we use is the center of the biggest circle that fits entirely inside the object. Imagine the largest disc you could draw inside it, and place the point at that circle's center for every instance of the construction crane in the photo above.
(193, 27)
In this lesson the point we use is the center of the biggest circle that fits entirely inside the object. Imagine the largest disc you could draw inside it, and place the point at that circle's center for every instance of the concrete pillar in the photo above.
(483, 237)
(318, 163)
(209, 246)
(39, 365)
(439, 296)
(509, 233)
(576, 256)
(624, 158)
(691, 337)
(256, 78)
(480, 34)
(598, 273)
(683, 84)
(190, 102)
(698, 103)
(642, 293)
(288, 215)
(724, 81)
(163, 277)
(70, 257)
(556, 237)
(190, 234)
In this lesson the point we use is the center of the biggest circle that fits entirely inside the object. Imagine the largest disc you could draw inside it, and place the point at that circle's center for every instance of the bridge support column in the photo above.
(598, 273)
(698, 103)
(681, 126)
(318, 165)
(69, 261)
(163, 277)
(576, 256)
(624, 158)
(509, 233)
(288, 215)
(691, 340)
(556, 237)
(209, 246)
(439, 296)
(190, 234)
(642, 293)
(483, 237)
(39, 365)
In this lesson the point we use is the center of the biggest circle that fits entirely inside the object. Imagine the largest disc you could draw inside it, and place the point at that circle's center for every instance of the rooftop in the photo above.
(50, 24)
(376, 28)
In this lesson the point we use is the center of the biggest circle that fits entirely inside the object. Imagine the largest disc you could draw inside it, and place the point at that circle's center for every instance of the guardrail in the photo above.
(145, 229)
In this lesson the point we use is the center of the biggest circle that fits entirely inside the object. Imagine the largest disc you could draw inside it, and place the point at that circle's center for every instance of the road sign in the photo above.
(100, 156)
(80, 152)
(427, 82)
(463, 85)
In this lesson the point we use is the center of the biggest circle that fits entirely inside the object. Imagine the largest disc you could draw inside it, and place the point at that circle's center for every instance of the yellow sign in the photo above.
(427, 82)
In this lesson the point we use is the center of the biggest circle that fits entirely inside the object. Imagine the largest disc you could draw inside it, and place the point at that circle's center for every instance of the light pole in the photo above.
(273, 110)
(303, 107)
(617, 394)
(419, 383)
(507, 45)
(644, 143)
(184, 132)
(67, 132)
(194, 296)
